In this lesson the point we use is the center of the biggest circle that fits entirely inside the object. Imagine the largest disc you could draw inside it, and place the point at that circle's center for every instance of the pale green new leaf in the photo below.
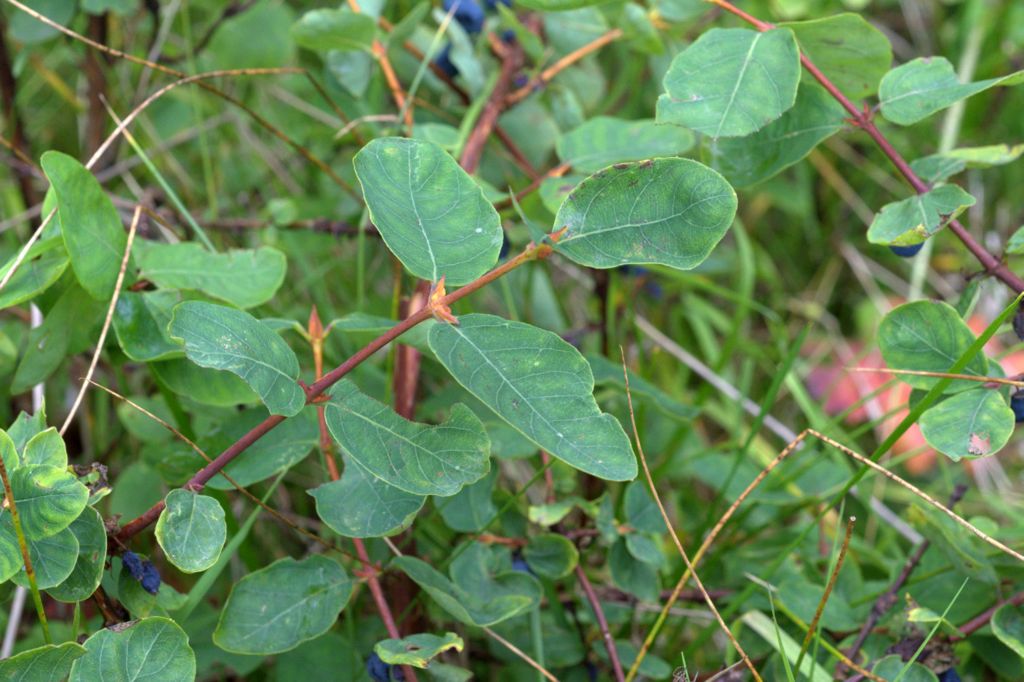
(50, 663)
(363, 506)
(191, 530)
(417, 650)
(852, 53)
(928, 336)
(91, 534)
(416, 458)
(244, 278)
(282, 605)
(48, 499)
(667, 211)
(914, 219)
(604, 140)
(334, 29)
(731, 81)
(916, 90)
(429, 212)
(540, 385)
(224, 338)
(92, 229)
(968, 425)
(815, 117)
(46, 448)
(151, 649)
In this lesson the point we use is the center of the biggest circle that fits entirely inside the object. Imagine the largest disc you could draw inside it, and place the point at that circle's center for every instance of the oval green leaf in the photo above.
(1008, 626)
(667, 211)
(334, 29)
(90, 225)
(363, 506)
(731, 81)
(914, 91)
(53, 559)
(151, 649)
(416, 458)
(914, 219)
(46, 448)
(48, 499)
(551, 555)
(928, 336)
(968, 425)
(604, 140)
(845, 47)
(243, 278)
(140, 323)
(191, 530)
(279, 607)
(202, 385)
(429, 212)
(92, 555)
(44, 263)
(50, 663)
(540, 385)
(218, 337)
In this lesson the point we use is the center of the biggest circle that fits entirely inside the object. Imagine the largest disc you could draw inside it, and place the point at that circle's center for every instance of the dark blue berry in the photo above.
(444, 60)
(508, 36)
(519, 564)
(506, 246)
(950, 675)
(378, 670)
(150, 578)
(468, 13)
(1017, 405)
(591, 670)
(520, 80)
(906, 251)
(132, 564)
(491, 4)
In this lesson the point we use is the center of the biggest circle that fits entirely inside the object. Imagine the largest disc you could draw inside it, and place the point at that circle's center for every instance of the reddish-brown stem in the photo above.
(861, 118)
(565, 62)
(980, 621)
(602, 623)
(511, 61)
(316, 389)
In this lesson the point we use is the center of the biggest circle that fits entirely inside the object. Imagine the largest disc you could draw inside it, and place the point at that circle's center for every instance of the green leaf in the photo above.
(53, 557)
(201, 385)
(815, 117)
(416, 458)
(243, 278)
(559, 5)
(91, 534)
(50, 663)
(430, 213)
(667, 211)
(282, 448)
(1015, 244)
(27, 29)
(417, 650)
(1008, 626)
(551, 555)
(891, 668)
(845, 47)
(224, 338)
(916, 90)
(191, 530)
(731, 81)
(636, 577)
(916, 218)
(282, 605)
(540, 385)
(968, 425)
(90, 225)
(151, 649)
(11, 560)
(46, 448)
(360, 505)
(603, 140)
(24, 428)
(8, 448)
(472, 508)
(641, 511)
(44, 263)
(928, 336)
(478, 598)
(781, 642)
(48, 499)
(334, 29)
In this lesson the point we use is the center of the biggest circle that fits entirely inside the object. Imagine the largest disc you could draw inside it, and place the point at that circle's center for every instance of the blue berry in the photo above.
(150, 578)
(469, 14)
(508, 36)
(906, 251)
(444, 60)
(491, 4)
(378, 670)
(506, 246)
(950, 675)
(519, 564)
(1017, 405)
(133, 564)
